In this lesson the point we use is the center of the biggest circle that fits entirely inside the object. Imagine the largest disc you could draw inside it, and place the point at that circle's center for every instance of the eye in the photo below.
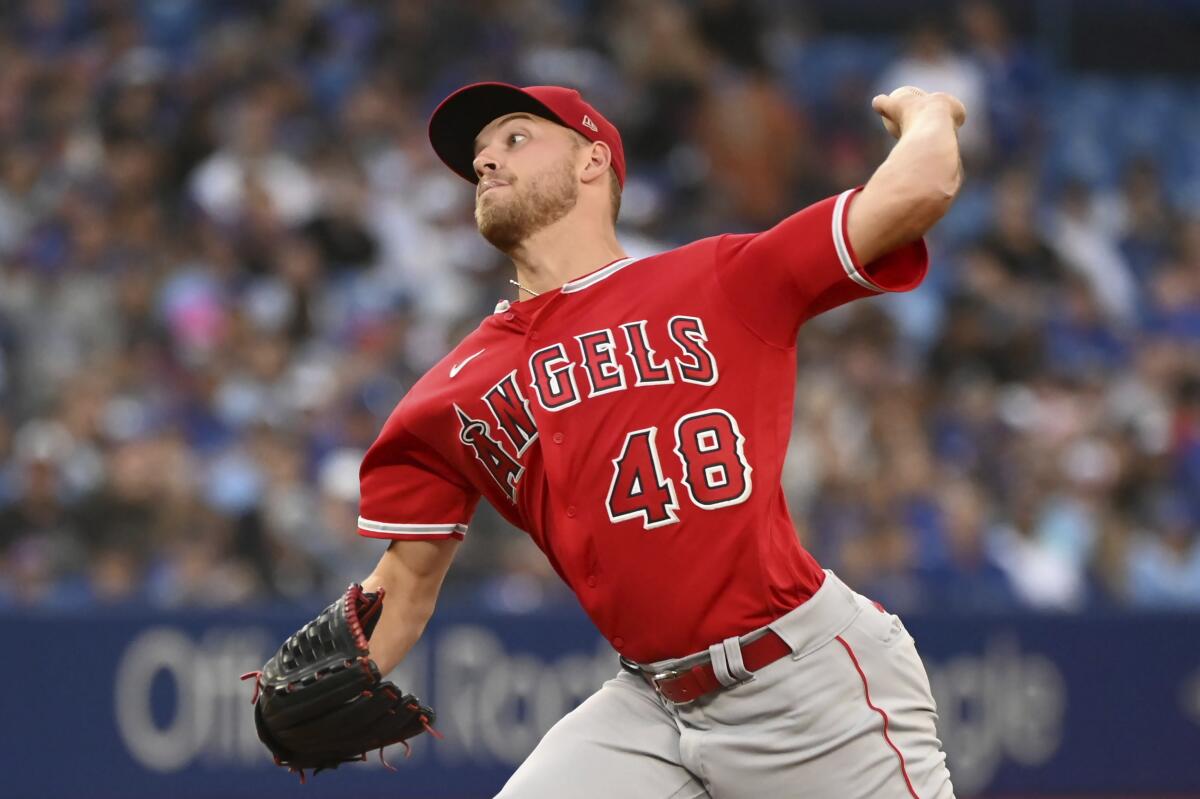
(516, 138)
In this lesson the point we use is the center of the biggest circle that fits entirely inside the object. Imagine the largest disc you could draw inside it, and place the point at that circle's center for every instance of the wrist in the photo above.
(376, 581)
(940, 109)
(934, 108)
(928, 118)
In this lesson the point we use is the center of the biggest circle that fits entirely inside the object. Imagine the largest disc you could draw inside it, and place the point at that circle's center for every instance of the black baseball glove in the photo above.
(320, 701)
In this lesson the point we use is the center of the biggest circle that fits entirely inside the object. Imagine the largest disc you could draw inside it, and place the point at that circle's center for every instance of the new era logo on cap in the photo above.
(589, 124)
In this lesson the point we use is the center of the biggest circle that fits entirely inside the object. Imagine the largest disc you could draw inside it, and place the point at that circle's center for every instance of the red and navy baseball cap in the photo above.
(457, 121)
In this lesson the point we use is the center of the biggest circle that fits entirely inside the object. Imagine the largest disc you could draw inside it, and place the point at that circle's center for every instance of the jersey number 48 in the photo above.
(715, 471)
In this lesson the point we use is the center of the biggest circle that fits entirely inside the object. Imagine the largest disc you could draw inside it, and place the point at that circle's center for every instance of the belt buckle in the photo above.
(669, 674)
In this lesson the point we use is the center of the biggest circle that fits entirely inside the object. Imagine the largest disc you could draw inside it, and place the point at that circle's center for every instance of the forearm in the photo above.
(925, 165)
(912, 189)
(398, 629)
(411, 574)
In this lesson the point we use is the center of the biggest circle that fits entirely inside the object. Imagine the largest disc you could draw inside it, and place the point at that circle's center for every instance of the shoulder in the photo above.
(688, 253)
(435, 376)
(433, 385)
(681, 262)
(679, 256)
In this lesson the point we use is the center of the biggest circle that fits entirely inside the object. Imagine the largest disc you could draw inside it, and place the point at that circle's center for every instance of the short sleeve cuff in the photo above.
(902, 269)
(410, 532)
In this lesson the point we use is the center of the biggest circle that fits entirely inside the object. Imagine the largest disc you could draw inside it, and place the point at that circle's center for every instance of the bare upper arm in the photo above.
(910, 191)
(414, 570)
(881, 220)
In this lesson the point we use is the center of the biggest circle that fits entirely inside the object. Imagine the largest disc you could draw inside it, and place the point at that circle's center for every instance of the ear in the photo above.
(599, 159)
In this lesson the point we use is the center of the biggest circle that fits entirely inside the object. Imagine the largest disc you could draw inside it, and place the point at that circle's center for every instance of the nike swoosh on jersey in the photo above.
(456, 368)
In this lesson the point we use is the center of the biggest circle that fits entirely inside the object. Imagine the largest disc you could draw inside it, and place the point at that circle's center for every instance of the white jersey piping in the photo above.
(839, 243)
(596, 277)
(410, 529)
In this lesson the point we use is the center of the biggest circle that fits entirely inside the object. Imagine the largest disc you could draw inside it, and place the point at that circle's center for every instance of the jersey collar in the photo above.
(578, 284)
(587, 281)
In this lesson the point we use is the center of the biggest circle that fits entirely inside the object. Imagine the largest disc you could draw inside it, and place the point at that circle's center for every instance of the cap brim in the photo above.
(457, 121)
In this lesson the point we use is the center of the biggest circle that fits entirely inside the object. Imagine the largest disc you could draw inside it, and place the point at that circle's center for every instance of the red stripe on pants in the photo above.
(883, 715)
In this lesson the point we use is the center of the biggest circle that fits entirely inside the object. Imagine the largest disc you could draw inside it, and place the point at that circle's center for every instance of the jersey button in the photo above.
(618, 642)
(571, 511)
(533, 336)
(508, 317)
(558, 438)
(591, 581)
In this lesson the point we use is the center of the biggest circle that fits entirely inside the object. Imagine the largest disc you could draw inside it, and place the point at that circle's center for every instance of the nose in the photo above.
(484, 163)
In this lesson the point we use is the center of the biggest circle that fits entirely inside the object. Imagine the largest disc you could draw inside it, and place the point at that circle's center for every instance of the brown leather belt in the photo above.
(689, 685)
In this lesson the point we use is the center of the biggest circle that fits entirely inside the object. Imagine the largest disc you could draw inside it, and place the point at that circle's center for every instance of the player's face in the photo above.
(527, 178)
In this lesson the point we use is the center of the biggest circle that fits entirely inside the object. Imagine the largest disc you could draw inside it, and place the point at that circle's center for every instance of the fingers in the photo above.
(894, 107)
(885, 107)
(884, 103)
(889, 103)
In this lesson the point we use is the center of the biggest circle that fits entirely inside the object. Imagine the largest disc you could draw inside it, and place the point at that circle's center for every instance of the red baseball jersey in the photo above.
(634, 423)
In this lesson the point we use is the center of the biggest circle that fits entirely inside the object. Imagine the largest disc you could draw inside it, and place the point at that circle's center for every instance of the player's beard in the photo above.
(506, 222)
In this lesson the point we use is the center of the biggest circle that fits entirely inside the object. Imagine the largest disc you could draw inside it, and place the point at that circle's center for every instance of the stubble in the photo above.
(506, 222)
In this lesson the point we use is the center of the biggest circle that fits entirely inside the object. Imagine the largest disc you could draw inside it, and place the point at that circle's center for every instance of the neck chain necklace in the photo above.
(522, 288)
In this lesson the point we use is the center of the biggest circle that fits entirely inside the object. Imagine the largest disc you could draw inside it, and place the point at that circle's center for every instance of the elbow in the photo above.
(418, 611)
(945, 190)
(934, 206)
(932, 202)
(917, 216)
(900, 204)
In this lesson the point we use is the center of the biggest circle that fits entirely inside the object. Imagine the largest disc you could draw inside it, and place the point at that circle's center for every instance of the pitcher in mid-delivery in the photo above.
(632, 416)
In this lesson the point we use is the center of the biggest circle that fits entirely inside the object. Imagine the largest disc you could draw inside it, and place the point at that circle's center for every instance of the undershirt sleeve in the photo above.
(782, 277)
(409, 492)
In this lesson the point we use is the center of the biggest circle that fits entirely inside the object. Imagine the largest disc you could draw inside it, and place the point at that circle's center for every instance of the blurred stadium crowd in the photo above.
(226, 249)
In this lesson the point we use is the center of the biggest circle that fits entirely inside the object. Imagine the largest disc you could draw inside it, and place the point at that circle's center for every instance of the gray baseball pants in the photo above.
(848, 716)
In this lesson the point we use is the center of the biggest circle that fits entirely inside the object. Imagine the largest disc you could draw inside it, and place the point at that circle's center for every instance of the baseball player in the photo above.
(632, 416)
